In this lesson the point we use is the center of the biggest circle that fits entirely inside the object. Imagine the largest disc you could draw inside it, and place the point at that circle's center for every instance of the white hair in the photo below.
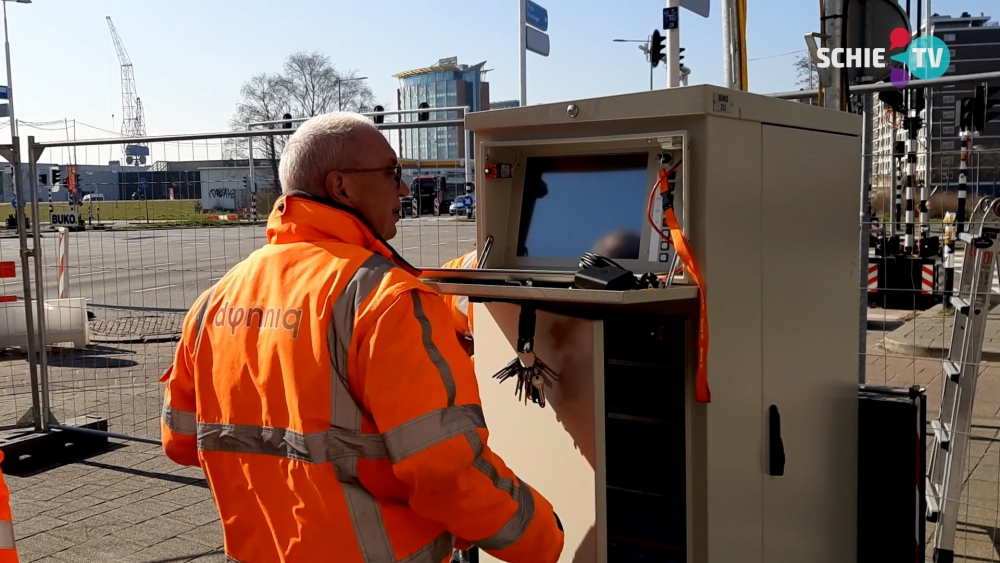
(320, 145)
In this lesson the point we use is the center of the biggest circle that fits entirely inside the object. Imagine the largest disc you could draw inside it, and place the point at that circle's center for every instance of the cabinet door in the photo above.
(810, 310)
(553, 449)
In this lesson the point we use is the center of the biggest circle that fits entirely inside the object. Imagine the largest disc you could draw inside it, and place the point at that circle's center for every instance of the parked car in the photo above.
(93, 197)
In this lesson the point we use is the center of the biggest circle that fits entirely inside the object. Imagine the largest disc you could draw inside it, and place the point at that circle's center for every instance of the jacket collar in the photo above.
(301, 217)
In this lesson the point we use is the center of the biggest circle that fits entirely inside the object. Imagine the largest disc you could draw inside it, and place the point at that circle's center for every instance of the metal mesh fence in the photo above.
(910, 323)
(157, 235)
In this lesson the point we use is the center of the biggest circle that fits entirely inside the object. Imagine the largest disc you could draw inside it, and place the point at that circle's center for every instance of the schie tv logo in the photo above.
(926, 57)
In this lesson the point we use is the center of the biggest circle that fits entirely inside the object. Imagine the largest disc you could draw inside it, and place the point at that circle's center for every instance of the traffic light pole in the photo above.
(673, 36)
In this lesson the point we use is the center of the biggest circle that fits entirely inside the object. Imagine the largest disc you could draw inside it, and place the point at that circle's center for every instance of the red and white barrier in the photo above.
(927, 279)
(63, 253)
(8, 270)
(872, 278)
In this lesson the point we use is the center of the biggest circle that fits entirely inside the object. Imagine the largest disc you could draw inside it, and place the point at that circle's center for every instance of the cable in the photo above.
(649, 215)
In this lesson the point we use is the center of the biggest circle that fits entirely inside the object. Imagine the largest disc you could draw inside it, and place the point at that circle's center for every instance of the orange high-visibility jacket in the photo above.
(459, 304)
(321, 387)
(8, 551)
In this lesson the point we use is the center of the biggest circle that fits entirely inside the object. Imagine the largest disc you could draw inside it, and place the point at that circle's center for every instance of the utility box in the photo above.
(637, 469)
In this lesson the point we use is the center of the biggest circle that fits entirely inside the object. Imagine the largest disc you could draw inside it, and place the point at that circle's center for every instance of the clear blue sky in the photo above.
(191, 56)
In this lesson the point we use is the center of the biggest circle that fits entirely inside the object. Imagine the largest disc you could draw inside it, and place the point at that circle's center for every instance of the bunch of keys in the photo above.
(533, 376)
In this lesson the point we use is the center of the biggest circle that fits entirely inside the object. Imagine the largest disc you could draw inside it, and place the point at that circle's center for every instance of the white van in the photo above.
(93, 197)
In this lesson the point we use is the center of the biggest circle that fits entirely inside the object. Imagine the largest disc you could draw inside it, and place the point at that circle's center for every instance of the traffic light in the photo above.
(288, 121)
(76, 179)
(43, 179)
(55, 175)
(379, 118)
(984, 107)
(424, 115)
(656, 49)
(681, 58)
(245, 184)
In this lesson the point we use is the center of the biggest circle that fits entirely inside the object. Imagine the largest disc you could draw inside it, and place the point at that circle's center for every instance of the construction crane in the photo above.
(133, 119)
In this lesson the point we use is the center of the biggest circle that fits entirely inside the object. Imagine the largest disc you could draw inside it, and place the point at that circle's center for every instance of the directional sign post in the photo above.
(534, 24)
(536, 16)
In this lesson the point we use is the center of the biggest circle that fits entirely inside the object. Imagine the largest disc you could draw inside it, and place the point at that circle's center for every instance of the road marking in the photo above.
(154, 288)
(158, 265)
(212, 258)
(89, 273)
(411, 248)
(467, 240)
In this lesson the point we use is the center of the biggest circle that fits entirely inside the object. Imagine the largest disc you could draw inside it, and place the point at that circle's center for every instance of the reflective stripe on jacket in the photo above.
(321, 387)
(8, 551)
(459, 304)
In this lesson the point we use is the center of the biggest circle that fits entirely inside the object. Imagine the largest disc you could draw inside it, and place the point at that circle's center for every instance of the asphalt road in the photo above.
(123, 271)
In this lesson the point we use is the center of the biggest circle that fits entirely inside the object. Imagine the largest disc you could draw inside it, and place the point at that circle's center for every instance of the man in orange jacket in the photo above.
(320, 386)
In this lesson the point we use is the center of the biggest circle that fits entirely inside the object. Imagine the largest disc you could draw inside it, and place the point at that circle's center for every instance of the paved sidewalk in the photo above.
(929, 335)
(129, 505)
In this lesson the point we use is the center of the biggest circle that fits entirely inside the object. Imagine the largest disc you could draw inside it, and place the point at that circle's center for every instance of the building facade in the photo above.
(444, 84)
(974, 46)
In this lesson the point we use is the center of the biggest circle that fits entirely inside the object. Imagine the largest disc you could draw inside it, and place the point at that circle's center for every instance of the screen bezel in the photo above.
(517, 153)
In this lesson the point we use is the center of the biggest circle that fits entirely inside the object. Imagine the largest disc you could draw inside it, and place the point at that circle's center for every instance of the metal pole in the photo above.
(36, 405)
(929, 125)
(866, 220)
(730, 61)
(673, 44)
(39, 288)
(10, 86)
(833, 26)
(523, 33)
(253, 181)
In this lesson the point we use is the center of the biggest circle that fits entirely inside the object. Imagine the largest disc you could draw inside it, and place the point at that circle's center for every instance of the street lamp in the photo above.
(340, 104)
(10, 87)
(645, 49)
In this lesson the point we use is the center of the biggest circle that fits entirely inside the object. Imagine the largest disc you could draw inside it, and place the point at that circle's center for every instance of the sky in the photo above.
(190, 57)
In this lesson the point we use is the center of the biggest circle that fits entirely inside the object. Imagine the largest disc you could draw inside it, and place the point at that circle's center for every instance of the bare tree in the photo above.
(806, 72)
(264, 98)
(308, 85)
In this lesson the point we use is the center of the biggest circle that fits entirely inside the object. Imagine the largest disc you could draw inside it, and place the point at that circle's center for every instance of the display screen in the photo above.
(579, 204)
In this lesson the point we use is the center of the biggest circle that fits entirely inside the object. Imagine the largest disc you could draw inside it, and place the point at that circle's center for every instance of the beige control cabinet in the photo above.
(768, 196)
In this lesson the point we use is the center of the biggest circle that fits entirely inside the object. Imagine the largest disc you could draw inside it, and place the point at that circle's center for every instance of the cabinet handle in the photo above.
(776, 467)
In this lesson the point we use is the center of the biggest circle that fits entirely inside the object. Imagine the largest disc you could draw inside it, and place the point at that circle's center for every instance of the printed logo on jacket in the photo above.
(269, 318)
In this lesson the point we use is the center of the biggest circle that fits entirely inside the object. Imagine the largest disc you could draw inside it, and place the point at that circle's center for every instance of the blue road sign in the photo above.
(467, 201)
(536, 16)
(13, 203)
(142, 183)
(671, 18)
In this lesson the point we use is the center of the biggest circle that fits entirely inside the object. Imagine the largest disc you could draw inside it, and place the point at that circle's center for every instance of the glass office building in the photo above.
(445, 84)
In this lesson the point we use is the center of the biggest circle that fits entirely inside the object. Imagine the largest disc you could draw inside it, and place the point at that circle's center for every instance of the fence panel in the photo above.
(909, 323)
(156, 237)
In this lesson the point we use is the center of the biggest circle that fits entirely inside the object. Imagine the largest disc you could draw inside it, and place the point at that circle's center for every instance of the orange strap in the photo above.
(702, 393)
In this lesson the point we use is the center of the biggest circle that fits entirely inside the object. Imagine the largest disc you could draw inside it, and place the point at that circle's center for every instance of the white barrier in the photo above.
(65, 322)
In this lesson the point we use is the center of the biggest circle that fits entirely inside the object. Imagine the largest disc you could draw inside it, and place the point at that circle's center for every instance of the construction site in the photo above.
(710, 325)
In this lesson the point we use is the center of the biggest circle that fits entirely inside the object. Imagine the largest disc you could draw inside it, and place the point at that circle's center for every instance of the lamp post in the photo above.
(645, 49)
(10, 88)
(340, 103)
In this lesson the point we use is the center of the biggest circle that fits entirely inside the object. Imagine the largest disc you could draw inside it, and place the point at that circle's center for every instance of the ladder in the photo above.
(951, 430)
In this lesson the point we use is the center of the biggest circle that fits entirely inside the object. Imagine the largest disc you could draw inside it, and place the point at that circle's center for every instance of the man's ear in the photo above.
(335, 189)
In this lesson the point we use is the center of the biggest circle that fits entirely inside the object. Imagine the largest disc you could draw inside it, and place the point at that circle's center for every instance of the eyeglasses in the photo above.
(397, 169)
